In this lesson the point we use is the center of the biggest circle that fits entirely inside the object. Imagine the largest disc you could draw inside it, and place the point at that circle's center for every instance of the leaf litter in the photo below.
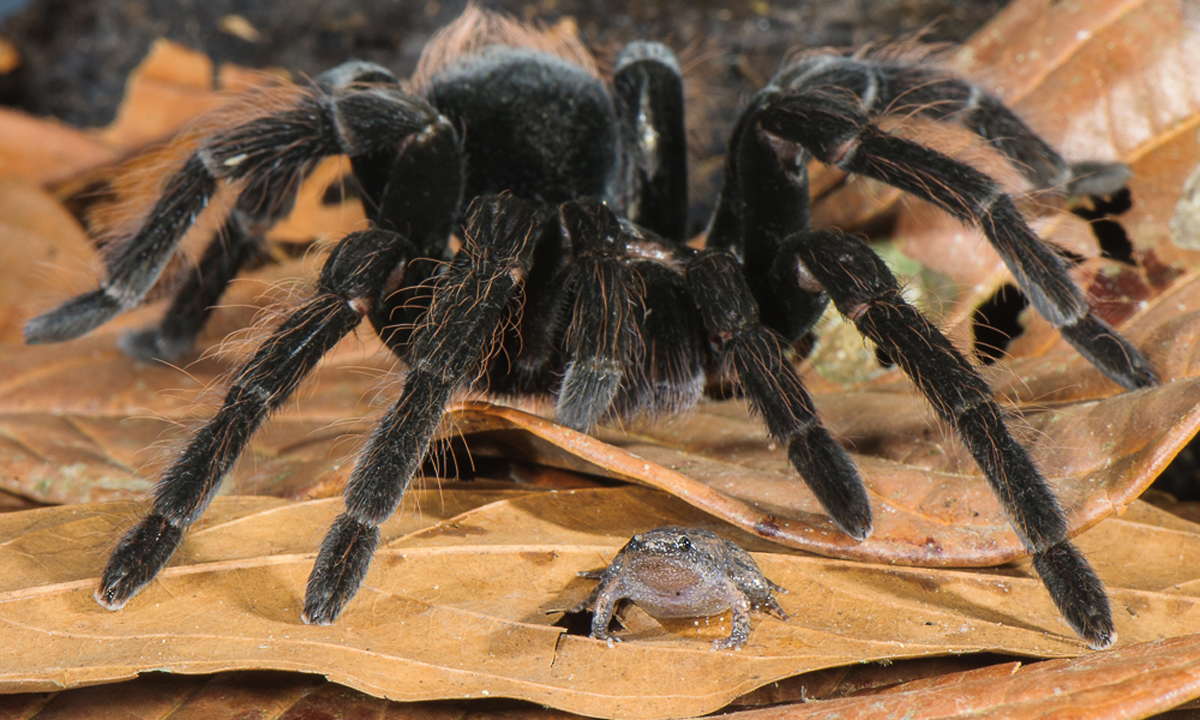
(66, 442)
(459, 602)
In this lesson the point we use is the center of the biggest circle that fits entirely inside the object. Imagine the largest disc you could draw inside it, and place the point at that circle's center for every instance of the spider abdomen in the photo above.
(532, 124)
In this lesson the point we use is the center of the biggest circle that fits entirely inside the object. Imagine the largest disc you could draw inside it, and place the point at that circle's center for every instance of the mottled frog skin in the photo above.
(677, 572)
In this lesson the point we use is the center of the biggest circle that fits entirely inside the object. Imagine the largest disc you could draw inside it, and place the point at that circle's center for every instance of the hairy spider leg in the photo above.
(234, 245)
(657, 347)
(865, 291)
(137, 264)
(764, 199)
(530, 361)
(350, 282)
(671, 376)
(837, 133)
(759, 358)
(362, 269)
(601, 339)
(446, 352)
(898, 88)
(764, 220)
(648, 95)
(268, 158)
(227, 253)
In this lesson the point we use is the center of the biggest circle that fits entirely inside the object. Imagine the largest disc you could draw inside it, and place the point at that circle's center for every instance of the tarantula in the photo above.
(573, 279)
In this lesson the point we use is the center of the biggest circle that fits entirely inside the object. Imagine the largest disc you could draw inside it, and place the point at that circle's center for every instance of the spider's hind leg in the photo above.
(866, 292)
(231, 248)
(840, 134)
(888, 86)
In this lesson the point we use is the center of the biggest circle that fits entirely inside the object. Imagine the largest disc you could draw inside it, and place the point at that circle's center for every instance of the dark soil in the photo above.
(77, 53)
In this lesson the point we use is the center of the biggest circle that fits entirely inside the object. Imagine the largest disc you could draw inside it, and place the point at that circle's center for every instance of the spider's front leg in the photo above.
(357, 110)
(759, 358)
(354, 282)
(865, 291)
(632, 337)
(351, 281)
(234, 245)
(445, 352)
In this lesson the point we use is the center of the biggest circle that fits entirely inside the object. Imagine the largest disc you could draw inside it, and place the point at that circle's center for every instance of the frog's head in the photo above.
(675, 542)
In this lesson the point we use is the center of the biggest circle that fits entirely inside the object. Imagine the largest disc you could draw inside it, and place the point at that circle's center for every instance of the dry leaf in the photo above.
(1131, 682)
(456, 603)
(1169, 665)
(47, 151)
(168, 89)
(255, 694)
(467, 578)
(40, 237)
(172, 85)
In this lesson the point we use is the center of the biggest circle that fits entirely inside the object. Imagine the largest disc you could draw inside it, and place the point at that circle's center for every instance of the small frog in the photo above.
(674, 572)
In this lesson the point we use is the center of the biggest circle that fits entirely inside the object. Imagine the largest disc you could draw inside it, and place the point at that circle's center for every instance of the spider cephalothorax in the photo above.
(573, 280)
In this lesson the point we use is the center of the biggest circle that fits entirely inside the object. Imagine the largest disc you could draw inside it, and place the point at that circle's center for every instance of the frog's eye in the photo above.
(684, 543)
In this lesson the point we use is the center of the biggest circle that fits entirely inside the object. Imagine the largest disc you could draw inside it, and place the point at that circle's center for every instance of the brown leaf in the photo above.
(456, 603)
(47, 151)
(862, 679)
(1107, 80)
(39, 237)
(255, 694)
(1098, 80)
(1130, 682)
(291, 696)
(172, 85)
(169, 88)
(76, 421)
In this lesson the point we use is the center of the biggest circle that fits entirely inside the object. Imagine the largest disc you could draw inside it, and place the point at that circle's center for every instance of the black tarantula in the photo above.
(573, 279)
